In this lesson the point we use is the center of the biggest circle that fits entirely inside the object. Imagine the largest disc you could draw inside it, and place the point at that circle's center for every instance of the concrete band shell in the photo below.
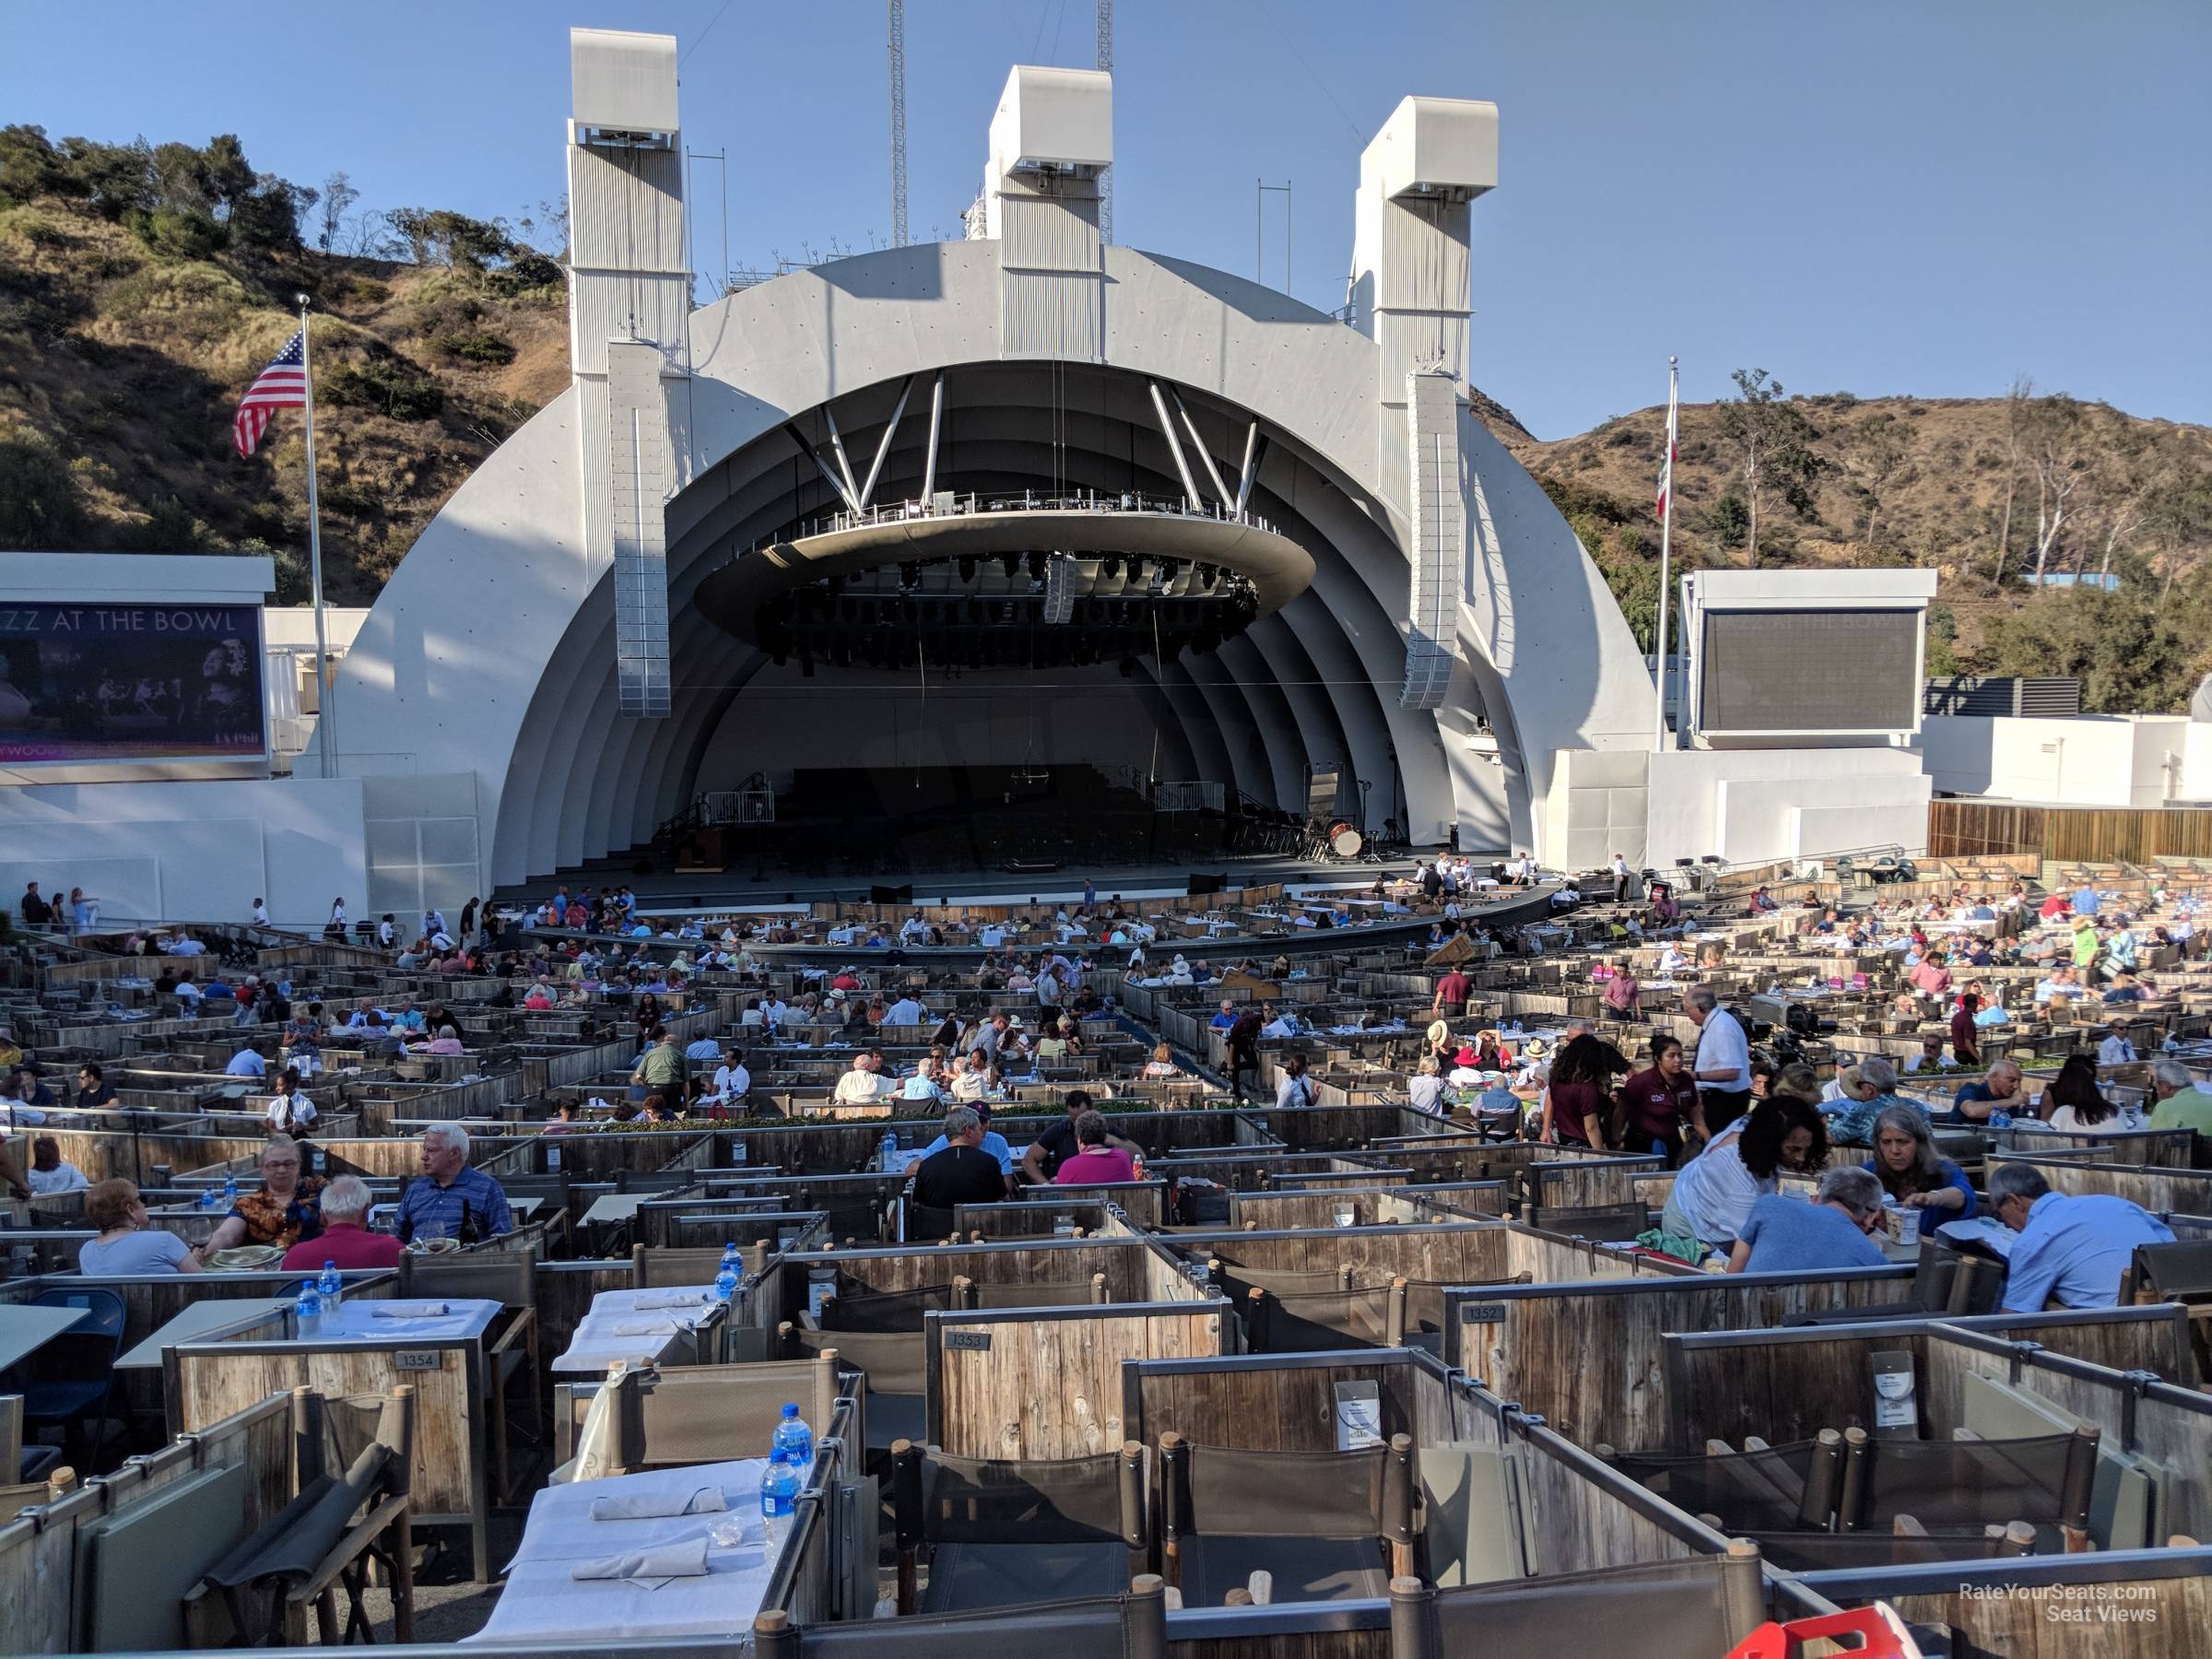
(490, 651)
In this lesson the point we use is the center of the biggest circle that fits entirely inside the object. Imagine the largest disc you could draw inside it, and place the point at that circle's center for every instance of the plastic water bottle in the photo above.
(230, 1192)
(207, 1198)
(794, 1439)
(309, 1308)
(330, 1288)
(2000, 1119)
(888, 1152)
(731, 1261)
(725, 1283)
(778, 1494)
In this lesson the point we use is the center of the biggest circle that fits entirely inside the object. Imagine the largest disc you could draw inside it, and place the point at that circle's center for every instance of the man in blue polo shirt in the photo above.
(2071, 1248)
(247, 1063)
(453, 1200)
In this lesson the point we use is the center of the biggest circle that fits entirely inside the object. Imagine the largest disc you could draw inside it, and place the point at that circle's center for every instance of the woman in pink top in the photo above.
(1094, 1161)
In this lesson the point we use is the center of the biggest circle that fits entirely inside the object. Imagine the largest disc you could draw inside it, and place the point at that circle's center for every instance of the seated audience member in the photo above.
(1788, 1235)
(2116, 1049)
(2072, 1248)
(1095, 1160)
(1163, 1063)
(1931, 1056)
(48, 1173)
(1713, 1192)
(1869, 1089)
(247, 1063)
(993, 1142)
(1056, 1143)
(290, 1112)
(2182, 1102)
(1425, 1089)
(2001, 1088)
(128, 1242)
(963, 1170)
(346, 1239)
(92, 1088)
(2072, 1100)
(1295, 1088)
(861, 1083)
(452, 1199)
(282, 1213)
(1906, 1163)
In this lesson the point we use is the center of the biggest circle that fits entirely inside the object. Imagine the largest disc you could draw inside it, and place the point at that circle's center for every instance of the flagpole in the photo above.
(1666, 529)
(326, 721)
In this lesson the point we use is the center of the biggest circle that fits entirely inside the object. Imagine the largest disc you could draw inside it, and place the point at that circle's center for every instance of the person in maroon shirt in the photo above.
(1575, 1098)
(345, 1239)
(1966, 1037)
(1658, 1101)
(1451, 995)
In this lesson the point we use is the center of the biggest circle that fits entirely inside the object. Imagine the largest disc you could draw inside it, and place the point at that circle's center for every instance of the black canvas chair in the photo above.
(356, 1455)
(1694, 1608)
(1130, 1626)
(1005, 1534)
(1326, 1526)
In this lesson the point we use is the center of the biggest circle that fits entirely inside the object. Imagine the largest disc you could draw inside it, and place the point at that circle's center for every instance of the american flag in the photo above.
(1666, 467)
(282, 385)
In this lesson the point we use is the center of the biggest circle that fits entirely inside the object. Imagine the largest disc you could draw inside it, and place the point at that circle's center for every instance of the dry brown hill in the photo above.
(141, 288)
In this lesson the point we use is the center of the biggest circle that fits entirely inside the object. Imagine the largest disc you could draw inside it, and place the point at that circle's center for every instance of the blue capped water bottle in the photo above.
(330, 1288)
(779, 1495)
(887, 1151)
(725, 1282)
(793, 1440)
(308, 1310)
(230, 1190)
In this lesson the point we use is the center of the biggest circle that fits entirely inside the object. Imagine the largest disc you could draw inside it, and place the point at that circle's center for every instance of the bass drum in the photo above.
(1346, 842)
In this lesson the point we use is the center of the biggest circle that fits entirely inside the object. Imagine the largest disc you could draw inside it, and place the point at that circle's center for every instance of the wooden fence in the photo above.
(2072, 834)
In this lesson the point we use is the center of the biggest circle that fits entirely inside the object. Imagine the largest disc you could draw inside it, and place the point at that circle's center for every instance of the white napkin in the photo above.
(409, 1309)
(649, 1569)
(644, 1327)
(670, 1299)
(656, 1506)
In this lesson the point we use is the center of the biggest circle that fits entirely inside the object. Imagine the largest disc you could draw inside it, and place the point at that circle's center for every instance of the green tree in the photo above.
(38, 506)
(1773, 443)
(1877, 459)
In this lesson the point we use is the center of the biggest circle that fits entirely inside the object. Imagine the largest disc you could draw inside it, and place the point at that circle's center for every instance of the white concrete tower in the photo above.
(629, 297)
(1051, 138)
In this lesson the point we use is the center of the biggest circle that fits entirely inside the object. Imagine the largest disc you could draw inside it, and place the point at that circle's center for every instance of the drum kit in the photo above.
(1345, 841)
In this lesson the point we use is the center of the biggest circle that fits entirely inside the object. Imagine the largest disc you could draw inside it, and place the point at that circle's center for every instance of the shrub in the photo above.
(1728, 520)
(479, 346)
(388, 385)
(168, 527)
(39, 504)
(175, 232)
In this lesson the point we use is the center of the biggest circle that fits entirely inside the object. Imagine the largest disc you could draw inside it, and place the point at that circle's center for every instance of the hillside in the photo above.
(128, 332)
(141, 287)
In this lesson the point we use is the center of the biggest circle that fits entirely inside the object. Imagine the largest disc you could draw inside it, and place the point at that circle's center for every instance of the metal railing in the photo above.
(976, 503)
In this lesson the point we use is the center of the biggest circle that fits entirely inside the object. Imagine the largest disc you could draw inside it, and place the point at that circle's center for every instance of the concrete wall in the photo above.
(190, 851)
(2083, 760)
(1746, 804)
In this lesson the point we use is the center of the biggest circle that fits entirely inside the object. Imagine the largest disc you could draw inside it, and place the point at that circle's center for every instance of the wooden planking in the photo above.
(1458, 1255)
(1590, 1362)
(2153, 1337)
(2188, 1192)
(2080, 834)
(1549, 1260)
(2128, 1619)
(1786, 1389)
(1270, 1409)
(1052, 1387)
(1579, 1525)
(217, 1379)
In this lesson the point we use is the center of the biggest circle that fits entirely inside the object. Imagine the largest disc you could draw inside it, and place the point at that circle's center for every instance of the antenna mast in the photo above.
(897, 123)
(1106, 174)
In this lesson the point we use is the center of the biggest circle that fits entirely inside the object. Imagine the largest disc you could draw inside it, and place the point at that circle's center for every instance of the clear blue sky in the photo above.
(1876, 195)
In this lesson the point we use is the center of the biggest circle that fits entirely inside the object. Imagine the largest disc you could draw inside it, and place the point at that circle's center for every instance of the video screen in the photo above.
(129, 682)
(1809, 671)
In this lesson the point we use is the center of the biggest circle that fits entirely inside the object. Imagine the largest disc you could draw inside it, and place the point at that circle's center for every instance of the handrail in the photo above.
(980, 502)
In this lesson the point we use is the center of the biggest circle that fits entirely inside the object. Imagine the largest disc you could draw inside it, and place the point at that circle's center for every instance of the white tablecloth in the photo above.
(359, 1319)
(597, 1344)
(542, 1602)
